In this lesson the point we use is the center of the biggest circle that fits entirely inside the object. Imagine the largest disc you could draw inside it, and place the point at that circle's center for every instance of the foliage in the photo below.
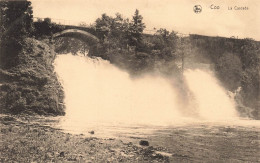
(17, 18)
(229, 68)
(71, 45)
(31, 86)
(123, 43)
(103, 25)
(237, 64)
(16, 24)
(46, 28)
(136, 30)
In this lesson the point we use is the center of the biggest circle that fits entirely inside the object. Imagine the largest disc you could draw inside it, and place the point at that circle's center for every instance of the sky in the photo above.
(177, 15)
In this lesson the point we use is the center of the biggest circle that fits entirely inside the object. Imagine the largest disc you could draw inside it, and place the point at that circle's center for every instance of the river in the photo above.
(104, 101)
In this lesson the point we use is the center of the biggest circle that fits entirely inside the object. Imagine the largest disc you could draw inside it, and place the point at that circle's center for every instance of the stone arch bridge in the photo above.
(79, 34)
(85, 34)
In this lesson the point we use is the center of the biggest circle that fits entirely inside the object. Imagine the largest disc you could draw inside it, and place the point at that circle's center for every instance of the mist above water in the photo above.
(97, 91)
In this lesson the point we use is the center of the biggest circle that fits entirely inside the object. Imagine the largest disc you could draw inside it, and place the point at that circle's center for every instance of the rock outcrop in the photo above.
(32, 85)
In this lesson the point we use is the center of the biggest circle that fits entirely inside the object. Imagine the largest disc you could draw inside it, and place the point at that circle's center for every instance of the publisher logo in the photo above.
(197, 9)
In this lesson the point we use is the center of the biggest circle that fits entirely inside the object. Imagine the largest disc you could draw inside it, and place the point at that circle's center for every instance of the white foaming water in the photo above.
(98, 92)
(211, 100)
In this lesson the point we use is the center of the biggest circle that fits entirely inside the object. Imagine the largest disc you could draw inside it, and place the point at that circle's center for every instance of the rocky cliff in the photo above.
(32, 85)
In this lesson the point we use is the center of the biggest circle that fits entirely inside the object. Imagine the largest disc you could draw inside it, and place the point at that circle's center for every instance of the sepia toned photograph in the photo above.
(137, 81)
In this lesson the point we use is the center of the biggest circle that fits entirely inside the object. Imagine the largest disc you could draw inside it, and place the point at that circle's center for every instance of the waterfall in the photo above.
(97, 91)
(210, 99)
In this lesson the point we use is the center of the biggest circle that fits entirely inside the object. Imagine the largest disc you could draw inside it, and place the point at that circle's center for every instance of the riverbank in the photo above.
(22, 140)
(32, 139)
(31, 86)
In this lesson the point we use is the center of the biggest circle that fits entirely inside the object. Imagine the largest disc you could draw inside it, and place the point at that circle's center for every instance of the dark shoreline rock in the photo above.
(144, 143)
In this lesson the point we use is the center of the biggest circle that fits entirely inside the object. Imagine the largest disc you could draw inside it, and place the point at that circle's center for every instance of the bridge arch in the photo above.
(79, 34)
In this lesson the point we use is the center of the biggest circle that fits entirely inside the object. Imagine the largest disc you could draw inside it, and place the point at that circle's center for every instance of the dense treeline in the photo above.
(124, 43)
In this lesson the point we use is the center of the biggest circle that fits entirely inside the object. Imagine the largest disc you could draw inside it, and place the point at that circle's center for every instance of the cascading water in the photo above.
(97, 91)
(210, 98)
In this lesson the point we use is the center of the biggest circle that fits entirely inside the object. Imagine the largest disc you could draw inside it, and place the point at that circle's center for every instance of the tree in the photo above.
(166, 42)
(17, 18)
(116, 25)
(46, 28)
(103, 26)
(136, 30)
(250, 53)
(119, 31)
(164, 33)
(2, 9)
(113, 32)
(16, 24)
(229, 68)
